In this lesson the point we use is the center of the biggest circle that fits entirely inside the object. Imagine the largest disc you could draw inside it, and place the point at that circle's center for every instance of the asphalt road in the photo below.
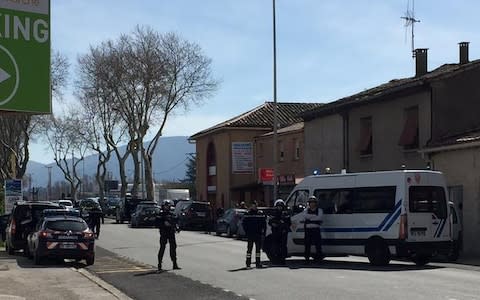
(219, 262)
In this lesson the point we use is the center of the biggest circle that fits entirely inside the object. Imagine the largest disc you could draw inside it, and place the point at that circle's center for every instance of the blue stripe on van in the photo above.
(395, 217)
(394, 213)
(441, 228)
(390, 219)
(436, 230)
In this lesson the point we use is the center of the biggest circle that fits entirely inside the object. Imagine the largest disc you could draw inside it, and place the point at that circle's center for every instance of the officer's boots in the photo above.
(249, 260)
(175, 266)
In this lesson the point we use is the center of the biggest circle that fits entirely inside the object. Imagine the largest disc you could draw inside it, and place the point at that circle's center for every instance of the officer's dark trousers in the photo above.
(258, 245)
(96, 227)
(170, 238)
(280, 244)
(313, 237)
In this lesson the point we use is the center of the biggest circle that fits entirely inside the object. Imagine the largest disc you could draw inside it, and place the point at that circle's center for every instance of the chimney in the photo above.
(421, 62)
(463, 46)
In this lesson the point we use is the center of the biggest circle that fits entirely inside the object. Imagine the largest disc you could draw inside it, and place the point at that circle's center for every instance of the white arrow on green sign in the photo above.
(25, 56)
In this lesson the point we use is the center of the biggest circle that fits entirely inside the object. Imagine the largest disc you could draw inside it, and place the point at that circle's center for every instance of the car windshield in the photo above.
(66, 225)
(199, 207)
(66, 203)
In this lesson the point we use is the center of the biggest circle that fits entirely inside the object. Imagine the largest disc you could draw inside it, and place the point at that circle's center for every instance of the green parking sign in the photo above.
(25, 56)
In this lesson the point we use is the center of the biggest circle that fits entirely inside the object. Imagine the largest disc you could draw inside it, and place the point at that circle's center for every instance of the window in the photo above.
(410, 134)
(281, 150)
(65, 225)
(357, 200)
(296, 152)
(429, 199)
(375, 199)
(366, 137)
(260, 149)
(299, 197)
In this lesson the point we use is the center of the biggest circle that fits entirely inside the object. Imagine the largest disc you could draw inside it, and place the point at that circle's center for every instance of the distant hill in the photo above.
(169, 163)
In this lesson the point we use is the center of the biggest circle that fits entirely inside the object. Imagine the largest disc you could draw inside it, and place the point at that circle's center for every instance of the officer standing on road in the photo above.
(280, 223)
(167, 224)
(254, 224)
(313, 216)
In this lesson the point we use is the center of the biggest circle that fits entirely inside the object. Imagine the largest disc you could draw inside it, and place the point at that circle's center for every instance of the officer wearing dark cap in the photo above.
(254, 224)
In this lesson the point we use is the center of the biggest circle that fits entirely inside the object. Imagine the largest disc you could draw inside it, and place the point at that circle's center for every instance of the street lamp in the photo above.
(275, 113)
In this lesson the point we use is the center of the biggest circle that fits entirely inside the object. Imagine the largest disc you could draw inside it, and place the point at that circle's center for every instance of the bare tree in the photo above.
(64, 138)
(187, 81)
(107, 128)
(95, 89)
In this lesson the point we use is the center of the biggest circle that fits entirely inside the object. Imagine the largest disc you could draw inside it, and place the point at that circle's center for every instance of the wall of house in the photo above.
(289, 165)
(453, 97)
(388, 119)
(225, 180)
(324, 144)
(462, 168)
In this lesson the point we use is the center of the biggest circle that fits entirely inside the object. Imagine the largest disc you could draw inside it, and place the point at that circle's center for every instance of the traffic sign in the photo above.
(25, 56)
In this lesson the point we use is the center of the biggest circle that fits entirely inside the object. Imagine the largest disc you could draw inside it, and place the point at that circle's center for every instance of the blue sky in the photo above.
(325, 49)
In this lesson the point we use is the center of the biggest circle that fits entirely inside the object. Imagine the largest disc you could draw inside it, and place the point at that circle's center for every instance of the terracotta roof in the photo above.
(262, 117)
(294, 127)
(392, 87)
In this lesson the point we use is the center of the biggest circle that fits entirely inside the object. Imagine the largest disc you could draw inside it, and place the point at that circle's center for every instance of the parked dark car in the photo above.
(3, 225)
(194, 215)
(126, 207)
(24, 218)
(144, 215)
(61, 237)
(111, 206)
(228, 222)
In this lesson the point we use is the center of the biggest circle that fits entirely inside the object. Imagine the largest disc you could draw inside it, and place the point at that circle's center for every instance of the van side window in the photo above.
(335, 201)
(429, 199)
(298, 198)
(375, 199)
(357, 200)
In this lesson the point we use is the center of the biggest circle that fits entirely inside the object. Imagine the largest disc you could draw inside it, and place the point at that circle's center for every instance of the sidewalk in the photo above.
(21, 279)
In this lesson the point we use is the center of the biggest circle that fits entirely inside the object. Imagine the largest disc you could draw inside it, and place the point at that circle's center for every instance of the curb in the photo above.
(104, 285)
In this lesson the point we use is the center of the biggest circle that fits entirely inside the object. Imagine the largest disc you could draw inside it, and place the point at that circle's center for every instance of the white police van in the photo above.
(378, 214)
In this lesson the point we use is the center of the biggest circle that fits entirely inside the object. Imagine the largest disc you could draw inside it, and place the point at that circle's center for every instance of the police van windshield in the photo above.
(429, 199)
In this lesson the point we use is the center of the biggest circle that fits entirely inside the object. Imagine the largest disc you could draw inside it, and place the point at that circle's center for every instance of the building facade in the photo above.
(227, 171)
(396, 125)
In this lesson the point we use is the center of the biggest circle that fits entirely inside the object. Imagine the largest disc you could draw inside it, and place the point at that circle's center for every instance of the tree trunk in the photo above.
(136, 174)
(149, 177)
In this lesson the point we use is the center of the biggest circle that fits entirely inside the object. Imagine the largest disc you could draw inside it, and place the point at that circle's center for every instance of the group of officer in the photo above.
(254, 224)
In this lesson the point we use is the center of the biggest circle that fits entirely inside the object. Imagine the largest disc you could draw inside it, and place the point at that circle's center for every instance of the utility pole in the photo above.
(275, 113)
(49, 187)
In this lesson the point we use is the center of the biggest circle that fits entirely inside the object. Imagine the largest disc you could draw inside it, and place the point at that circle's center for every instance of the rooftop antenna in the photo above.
(410, 21)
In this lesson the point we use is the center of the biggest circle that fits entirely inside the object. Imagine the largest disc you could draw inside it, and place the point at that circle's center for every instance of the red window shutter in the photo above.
(410, 129)
(365, 137)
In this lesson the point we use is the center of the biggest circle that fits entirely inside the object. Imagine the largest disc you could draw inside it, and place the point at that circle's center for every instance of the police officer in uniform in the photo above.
(313, 217)
(167, 224)
(280, 223)
(254, 224)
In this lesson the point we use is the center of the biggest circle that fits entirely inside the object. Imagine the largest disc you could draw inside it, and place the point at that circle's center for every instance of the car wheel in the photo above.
(421, 260)
(36, 258)
(377, 252)
(90, 260)
(27, 252)
(10, 251)
(454, 252)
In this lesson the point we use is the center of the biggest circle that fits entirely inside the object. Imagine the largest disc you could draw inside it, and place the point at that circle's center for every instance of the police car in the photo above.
(61, 234)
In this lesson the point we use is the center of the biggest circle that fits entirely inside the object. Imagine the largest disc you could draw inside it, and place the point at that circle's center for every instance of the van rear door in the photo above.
(428, 214)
